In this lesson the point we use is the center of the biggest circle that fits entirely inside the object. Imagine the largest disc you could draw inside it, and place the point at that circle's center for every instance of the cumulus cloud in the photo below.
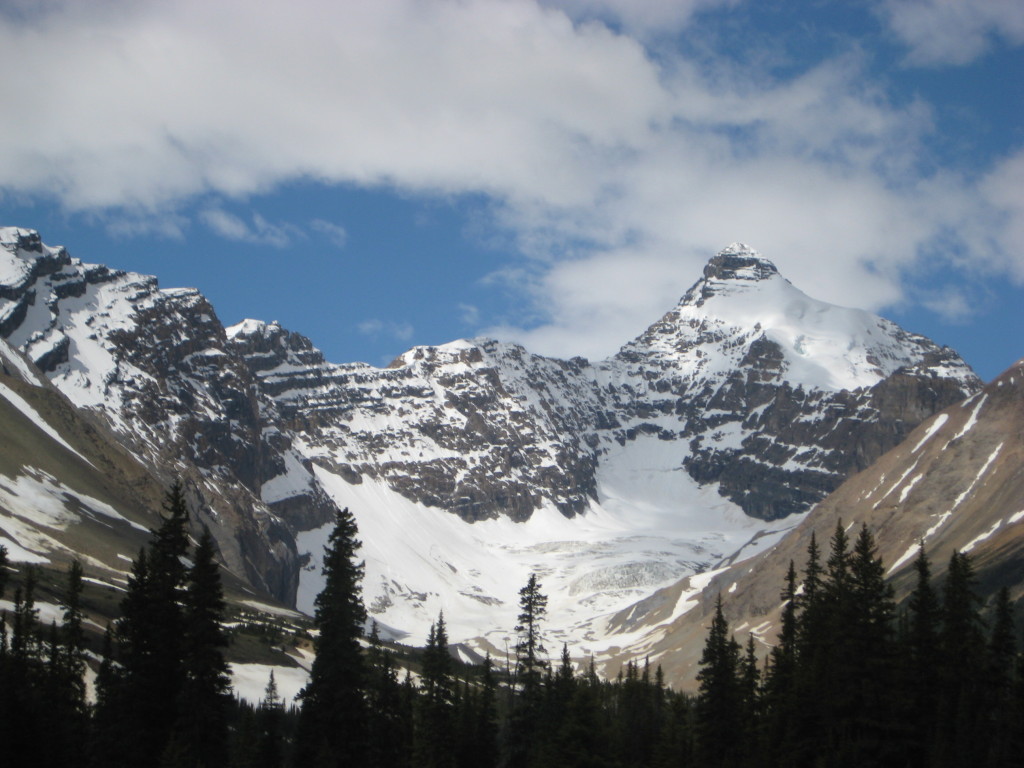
(953, 31)
(608, 167)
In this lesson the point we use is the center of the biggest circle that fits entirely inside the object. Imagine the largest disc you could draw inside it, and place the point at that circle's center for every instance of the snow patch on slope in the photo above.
(33, 415)
(936, 425)
(651, 527)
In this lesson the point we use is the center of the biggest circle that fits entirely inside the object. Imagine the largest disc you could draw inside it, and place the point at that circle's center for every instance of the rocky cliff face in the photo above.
(477, 428)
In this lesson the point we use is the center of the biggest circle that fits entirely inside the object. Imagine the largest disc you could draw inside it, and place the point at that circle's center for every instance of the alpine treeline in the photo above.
(852, 680)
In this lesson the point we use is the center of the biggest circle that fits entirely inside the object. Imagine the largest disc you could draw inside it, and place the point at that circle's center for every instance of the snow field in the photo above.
(651, 527)
(249, 681)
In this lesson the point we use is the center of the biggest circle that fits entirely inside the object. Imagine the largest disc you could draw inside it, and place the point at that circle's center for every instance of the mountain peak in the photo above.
(739, 262)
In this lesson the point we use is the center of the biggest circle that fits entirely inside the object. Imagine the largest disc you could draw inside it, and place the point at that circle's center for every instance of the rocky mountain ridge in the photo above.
(743, 406)
(483, 428)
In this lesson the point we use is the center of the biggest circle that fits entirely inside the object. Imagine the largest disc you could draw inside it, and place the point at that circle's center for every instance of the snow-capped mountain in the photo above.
(472, 464)
(955, 484)
(152, 366)
(779, 395)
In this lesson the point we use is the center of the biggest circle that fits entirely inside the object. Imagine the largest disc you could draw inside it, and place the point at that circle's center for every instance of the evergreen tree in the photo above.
(1002, 658)
(150, 632)
(750, 700)
(436, 745)
(719, 701)
(870, 663)
(530, 673)
(201, 729)
(837, 568)
(3, 570)
(921, 659)
(530, 666)
(780, 706)
(485, 733)
(386, 747)
(22, 675)
(106, 713)
(73, 637)
(962, 703)
(270, 728)
(64, 690)
(333, 719)
(813, 649)
(24, 644)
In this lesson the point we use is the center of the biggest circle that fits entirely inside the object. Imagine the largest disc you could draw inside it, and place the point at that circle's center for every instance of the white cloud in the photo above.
(1004, 189)
(609, 167)
(169, 225)
(951, 303)
(370, 327)
(469, 314)
(953, 31)
(642, 17)
(259, 231)
(375, 327)
(335, 233)
(226, 224)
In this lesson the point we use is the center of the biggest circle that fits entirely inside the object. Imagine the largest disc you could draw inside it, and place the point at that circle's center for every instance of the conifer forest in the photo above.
(853, 679)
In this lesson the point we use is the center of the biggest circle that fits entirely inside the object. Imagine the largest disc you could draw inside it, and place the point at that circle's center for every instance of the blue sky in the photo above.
(380, 175)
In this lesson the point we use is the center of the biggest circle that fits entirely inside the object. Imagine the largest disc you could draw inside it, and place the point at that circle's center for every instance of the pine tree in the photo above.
(750, 700)
(813, 649)
(203, 703)
(436, 745)
(106, 711)
(485, 741)
(530, 666)
(24, 678)
(73, 636)
(270, 728)
(332, 723)
(530, 672)
(719, 701)
(385, 745)
(64, 697)
(921, 654)
(3, 570)
(150, 635)
(962, 703)
(780, 706)
(1002, 658)
(870, 663)
(24, 644)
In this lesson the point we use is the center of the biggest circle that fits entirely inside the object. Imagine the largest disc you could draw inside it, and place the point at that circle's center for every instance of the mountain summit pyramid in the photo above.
(698, 442)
